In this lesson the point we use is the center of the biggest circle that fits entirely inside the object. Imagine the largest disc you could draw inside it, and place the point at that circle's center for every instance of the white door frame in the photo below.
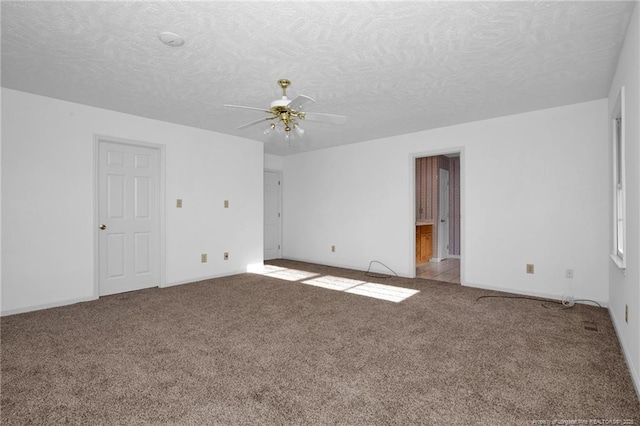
(411, 222)
(96, 204)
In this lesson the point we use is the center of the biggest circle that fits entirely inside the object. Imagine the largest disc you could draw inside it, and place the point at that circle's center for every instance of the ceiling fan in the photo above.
(284, 115)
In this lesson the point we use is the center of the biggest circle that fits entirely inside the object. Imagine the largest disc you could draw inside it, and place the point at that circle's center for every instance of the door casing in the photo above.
(97, 139)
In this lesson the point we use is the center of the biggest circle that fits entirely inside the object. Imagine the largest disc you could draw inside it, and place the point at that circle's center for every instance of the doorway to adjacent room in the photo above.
(438, 217)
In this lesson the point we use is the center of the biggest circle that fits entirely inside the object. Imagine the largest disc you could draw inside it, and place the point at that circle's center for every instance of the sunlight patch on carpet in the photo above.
(334, 283)
(259, 268)
(283, 273)
(382, 291)
(363, 288)
(330, 282)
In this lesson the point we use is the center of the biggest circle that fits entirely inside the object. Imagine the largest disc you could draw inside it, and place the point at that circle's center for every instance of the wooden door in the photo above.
(424, 243)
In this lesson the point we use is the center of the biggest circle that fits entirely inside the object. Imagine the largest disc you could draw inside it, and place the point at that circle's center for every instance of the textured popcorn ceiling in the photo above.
(391, 67)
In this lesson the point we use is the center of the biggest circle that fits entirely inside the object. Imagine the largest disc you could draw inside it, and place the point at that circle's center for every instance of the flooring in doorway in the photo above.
(448, 271)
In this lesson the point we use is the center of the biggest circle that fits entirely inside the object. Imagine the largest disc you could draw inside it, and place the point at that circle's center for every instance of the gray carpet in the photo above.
(248, 349)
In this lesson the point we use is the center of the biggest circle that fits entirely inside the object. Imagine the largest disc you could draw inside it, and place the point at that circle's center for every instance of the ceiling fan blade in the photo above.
(248, 107)
(325, 118)
(253, 123)
(300, 102)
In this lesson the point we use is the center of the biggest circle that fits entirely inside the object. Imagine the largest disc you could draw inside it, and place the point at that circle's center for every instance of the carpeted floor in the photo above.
(250, 349)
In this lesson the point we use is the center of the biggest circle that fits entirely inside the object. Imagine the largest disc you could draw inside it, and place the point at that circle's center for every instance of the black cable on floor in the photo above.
(368, 273)
(537, 299)
(564, 304)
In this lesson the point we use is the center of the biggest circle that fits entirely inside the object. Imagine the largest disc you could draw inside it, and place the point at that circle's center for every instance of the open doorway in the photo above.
(437, 213)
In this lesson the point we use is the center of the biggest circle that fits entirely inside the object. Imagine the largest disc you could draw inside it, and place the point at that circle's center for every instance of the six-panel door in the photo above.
(128, 188)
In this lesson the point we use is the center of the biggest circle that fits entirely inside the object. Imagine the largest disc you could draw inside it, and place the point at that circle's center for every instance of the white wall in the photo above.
(533, 189)
(48, 198)
(625, 289)
(273, 162)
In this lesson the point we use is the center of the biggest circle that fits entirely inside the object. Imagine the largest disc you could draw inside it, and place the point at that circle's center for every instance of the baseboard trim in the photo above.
(627, 356)
(58, 304)
(532, 293)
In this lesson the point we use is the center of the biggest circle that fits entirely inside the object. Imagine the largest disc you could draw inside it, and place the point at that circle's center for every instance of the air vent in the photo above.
(591, 326)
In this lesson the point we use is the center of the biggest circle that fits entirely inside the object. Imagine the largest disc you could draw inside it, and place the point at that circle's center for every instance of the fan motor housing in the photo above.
(280, 103)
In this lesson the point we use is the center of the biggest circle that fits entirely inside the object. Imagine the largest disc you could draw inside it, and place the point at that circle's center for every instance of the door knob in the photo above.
(103, 226)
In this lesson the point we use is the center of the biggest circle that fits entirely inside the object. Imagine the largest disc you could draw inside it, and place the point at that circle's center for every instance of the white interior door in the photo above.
(443, 201)
(272, 216)
(128, 217)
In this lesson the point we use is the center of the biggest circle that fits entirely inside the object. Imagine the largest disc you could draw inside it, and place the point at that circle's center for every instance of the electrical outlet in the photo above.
(226, 204)
(529, 268)
(203, 258)
(226, 256)
(333, 249)
(626, 314)
(569, 273)
(179, 203)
